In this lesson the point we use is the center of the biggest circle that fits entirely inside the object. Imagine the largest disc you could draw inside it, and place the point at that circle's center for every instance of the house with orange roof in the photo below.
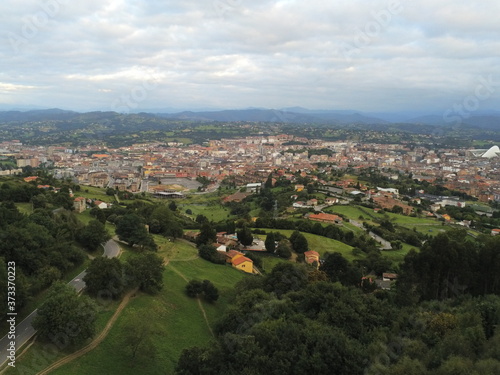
(239, 261)
(311, 257)
(29, 179)
(299, 187)
(495, 232)
(325, 218)
(446, 217)
(243, 263)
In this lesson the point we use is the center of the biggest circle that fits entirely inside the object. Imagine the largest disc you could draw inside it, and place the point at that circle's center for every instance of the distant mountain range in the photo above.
(297, 115)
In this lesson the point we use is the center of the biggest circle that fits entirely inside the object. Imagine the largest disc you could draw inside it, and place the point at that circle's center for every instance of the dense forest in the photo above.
(441, 318)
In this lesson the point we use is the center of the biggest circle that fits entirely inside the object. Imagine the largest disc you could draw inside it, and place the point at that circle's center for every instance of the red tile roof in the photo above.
(240, 260)
(325, 217)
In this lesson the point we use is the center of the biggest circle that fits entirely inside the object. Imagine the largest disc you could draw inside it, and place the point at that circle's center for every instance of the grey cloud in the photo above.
(254, 53)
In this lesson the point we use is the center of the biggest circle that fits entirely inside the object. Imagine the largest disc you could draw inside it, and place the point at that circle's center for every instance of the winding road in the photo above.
(25, 330)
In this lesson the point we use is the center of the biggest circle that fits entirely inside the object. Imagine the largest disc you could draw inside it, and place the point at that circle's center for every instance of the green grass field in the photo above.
(397, 256)
(94, 193)
(320, 244)
(214, 212)
(409, 220)
(352, 212)
(178, 320)
(178, 250)
(352, 228)
(269, 261)
(208, 205)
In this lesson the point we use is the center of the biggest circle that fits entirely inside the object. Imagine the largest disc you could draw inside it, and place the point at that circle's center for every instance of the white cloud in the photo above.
(250, 53)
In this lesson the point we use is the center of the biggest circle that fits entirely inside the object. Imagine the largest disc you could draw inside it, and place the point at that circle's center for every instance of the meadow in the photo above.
(179, 321)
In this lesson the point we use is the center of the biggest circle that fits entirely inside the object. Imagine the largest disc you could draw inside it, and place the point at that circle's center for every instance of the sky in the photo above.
(131, 55)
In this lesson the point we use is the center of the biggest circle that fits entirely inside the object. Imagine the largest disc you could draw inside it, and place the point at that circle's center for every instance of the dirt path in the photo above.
(185, 260)
(199, 300)
(94, 342)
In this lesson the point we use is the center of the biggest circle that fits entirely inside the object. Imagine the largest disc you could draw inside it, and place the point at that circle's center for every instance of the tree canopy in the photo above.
(65, 318)
(104, 277)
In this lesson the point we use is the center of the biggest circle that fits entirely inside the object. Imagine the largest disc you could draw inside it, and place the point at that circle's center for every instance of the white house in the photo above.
(255, 187)
(101, 204)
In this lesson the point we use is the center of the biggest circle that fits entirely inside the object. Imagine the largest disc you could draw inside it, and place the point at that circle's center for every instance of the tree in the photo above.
(131, 229)
(65, 318)
(39, 201)
(93, 234)
(299, 242)
(245, 236)
(194, 288)
(269, 182)
(210, 253)
(207, 235)
(230, 226)
(284, 249)
(397, 209)
(146, 272)
(162, 220)
(98, 214)
(284, 278)
(203, 288)
(200, 219)
(338, 269)
(257, 260)
(104, 277)
(270, 243)
(136, 336)
(172, 206)
(210, 292)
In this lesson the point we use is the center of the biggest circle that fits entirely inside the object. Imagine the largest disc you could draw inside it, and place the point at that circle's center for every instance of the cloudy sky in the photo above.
(370, 55)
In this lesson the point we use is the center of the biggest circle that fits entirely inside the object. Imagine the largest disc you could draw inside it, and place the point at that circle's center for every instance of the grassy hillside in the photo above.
(179, 321)
(319, 243)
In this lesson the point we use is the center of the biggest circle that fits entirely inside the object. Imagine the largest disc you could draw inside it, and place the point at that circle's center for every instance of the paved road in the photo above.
(25, 330)
(386, 245)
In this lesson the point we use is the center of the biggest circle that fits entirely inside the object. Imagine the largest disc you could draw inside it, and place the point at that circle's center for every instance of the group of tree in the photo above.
(205, 289)
(299, 242)
(93, 235)
(297, 320)
(137, 221)
(132, 229)
(42, 245)
(450, 265)
(109, 278)
(66, 319)
(245, 236)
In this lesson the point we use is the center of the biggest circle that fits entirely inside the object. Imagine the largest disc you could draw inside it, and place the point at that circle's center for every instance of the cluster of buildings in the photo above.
(157, 167)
